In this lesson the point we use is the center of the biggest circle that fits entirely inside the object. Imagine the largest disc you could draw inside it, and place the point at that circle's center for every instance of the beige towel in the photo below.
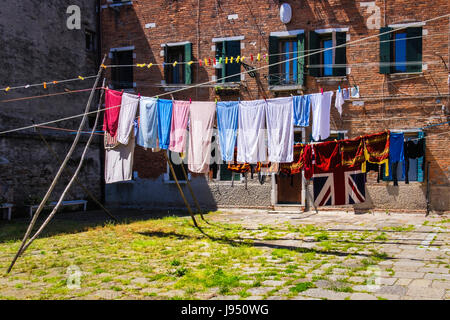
(200, 133)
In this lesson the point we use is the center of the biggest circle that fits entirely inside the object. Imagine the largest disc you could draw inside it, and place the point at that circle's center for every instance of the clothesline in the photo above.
(49, 95)
(47, 83)
(350, 44)
(256, 69)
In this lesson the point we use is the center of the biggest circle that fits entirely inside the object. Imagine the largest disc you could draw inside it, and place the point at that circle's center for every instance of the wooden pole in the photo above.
(77, 181)
(192, 192)
(180, 190)
(63, 165)
(308, 194)
(69, 185)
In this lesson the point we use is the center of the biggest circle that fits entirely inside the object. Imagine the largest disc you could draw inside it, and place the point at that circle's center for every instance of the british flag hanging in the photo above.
(339, 186)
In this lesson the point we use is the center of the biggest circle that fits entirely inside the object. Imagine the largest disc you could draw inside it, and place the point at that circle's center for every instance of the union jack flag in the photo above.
(340, 186)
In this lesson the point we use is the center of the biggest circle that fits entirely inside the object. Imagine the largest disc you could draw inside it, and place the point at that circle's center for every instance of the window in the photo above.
(180, 73)
(334, 135)
(90, 40)
(228, 49)
(416, 170)
(401, 51)
(287, 49)
(122, 77)
(329, 63)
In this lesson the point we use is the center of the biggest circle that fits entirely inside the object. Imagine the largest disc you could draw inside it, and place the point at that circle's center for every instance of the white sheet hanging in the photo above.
(280, 129)
(251, 145)
(320, 106)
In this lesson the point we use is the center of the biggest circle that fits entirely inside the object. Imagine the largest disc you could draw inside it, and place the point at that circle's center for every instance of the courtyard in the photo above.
(238, 254)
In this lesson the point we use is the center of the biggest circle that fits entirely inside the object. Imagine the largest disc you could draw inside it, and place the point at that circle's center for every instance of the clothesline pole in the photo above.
(192, 193)
(68, 186)
(428, 189)
(180, 190)
(78, 182)
(308, 194)
(58, 174)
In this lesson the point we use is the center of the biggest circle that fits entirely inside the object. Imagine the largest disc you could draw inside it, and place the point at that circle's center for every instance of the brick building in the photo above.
(37, 46)
(400, 81)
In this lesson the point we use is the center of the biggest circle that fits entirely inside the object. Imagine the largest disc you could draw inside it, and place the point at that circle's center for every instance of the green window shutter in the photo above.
(341, 55)
(301, 59)
(233, 49)
(420, 171)
(314, 58)
(385, 50)
(414, 49)
(273, 58)
(187, 67)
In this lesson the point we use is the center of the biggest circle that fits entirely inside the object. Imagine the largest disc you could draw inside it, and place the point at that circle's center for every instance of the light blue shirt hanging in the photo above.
(302, 107)
(148, 123)
(227, 123)
(164, 122)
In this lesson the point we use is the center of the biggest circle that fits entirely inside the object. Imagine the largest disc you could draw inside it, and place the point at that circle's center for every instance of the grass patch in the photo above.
(301, 286)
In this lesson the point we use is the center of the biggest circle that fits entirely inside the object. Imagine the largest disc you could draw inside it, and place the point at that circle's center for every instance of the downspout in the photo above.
(198, 45)
(101, 150)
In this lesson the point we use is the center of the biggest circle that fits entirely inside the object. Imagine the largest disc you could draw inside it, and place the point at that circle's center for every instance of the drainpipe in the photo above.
(101, 151)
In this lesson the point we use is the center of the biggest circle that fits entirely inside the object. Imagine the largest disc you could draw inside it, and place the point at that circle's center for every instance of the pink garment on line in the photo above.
(113, 100)
(200, 133)
(180, 117)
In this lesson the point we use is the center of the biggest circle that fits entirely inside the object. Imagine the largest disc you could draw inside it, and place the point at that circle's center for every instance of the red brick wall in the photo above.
(177, 21)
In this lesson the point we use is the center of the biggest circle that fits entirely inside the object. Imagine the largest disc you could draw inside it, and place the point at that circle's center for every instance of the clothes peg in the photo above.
(210, 61)
(190, 100)
(339, 88)
(216, 100)
(45, 85)
(321, 90)
(149, 65)
(200, 63)
(251, 58)
(215, 62)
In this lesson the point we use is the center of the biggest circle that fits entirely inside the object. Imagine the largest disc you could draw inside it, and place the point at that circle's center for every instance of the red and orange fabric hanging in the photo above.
(327, 155)
(376, 150)
(296, 166)
(352, 152)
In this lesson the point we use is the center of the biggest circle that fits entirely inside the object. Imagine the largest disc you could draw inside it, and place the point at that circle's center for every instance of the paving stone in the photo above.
(432, 293)
(300, 297)
(357, 279)
(386, 281)
(362, 296)
(259, 291)
(437, 276)
(254, 298)
(410, 275)
(107, 294)
(247, 281)
(422, 283)
(276, 298)
(328, 294)
(433, 270)
(440, 284)
(272, 283)
(231, 297)
(403, 282)
(392, 290)
(139, 280)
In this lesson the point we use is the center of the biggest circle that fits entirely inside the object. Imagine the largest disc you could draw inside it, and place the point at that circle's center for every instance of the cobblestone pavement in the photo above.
(238, 254)
(414, 251)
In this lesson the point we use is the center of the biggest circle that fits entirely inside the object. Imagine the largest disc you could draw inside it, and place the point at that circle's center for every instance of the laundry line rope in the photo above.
(226, 77)
(161, 64)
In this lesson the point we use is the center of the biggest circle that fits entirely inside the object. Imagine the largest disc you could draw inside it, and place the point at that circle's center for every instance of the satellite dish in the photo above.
(285, 13)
